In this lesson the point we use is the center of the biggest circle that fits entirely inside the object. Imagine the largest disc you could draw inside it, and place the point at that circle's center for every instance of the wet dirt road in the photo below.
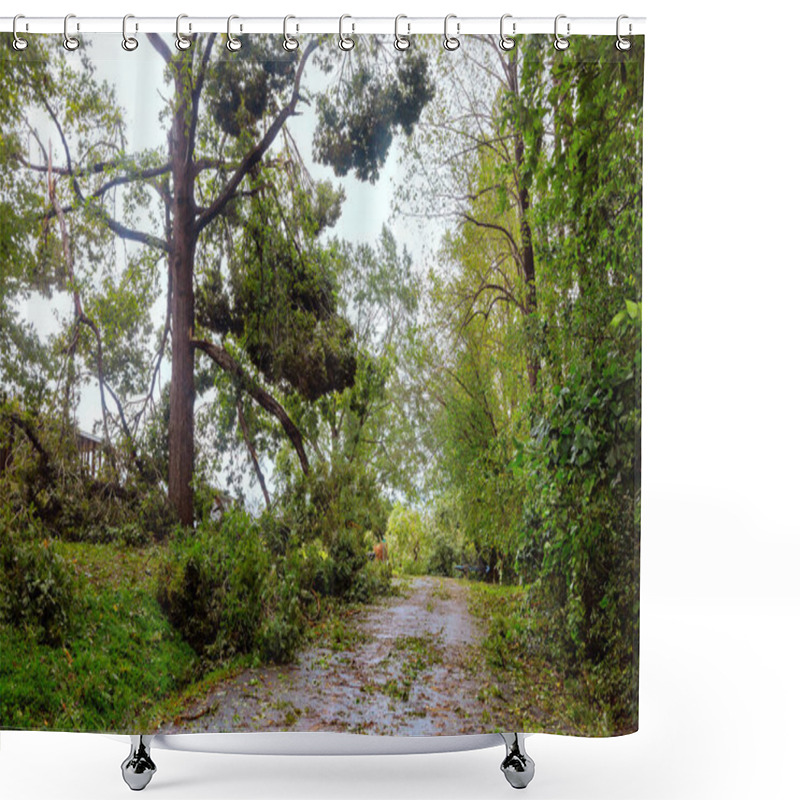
(407, 665)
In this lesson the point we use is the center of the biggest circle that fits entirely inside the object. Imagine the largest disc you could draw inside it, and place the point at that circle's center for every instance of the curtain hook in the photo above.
(19, 43)
(506, 42)
(560, 43)
(182, 42)
(451, 42)
(624, 44)
(401, 42)
(289, 42)
(70, 42)
(346, 42)
(234, 43)
(129, 43)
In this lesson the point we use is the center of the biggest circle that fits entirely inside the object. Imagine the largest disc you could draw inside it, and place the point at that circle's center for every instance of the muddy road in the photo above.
(408, 665)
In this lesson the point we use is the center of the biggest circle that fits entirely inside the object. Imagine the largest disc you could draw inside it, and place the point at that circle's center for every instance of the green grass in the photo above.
(121, 659)
(535, 693)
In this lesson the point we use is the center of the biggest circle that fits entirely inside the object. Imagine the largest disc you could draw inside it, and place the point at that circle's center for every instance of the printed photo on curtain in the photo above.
(320, 384)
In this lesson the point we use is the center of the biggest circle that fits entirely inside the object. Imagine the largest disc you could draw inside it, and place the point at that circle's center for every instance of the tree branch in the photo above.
(223, 359)
(196, 93)
(252, 450)
(493, 227)
(255, 155)
(110, 222)
(160, 46)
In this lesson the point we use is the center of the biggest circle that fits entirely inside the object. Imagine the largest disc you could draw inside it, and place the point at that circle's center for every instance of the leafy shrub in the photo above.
(37, 587)
(373, 580)
(443, 553)
(582, 540)
(348, 556)
(43, 476)
(405, 536)
(226, 593)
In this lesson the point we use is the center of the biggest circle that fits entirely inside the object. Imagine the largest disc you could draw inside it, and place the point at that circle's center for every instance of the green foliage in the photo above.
(121, 657)
(43, 474)
(529, 365)
(332, 501)
(280, 297)
(539, 694)
(443, 553)
(243, 89)
(583, 463)
(227, 593)
(373, 580)
(358, 123)
(38, 592)
(405, 537)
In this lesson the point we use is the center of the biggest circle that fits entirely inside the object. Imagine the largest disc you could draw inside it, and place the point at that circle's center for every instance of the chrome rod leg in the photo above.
(517, 766)
(138, 768)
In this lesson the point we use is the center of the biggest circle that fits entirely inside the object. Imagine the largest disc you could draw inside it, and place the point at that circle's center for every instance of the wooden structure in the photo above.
(90, 449)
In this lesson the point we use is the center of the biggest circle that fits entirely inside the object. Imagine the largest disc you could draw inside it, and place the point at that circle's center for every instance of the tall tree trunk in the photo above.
(530, 304)
(533, 363)
(181, 265)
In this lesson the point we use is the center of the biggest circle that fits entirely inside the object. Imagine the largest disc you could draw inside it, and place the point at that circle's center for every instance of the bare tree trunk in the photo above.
(181, 265)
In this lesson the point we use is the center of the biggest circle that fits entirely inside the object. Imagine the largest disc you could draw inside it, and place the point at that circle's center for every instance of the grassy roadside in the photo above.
(124, 668)
(538, 696)
(123, 656)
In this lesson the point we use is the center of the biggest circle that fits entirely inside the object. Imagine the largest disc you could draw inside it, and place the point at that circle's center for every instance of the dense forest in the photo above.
(221, 408)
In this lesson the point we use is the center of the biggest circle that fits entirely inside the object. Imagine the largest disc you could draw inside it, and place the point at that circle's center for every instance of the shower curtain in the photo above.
(321, 380)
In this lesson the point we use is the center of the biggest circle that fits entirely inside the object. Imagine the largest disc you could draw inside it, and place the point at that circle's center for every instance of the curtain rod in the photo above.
(303, 25)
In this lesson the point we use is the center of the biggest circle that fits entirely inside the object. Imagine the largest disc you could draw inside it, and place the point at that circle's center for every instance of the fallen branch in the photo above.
(223, 359)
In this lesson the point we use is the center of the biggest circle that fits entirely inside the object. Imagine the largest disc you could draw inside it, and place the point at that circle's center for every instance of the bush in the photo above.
(405, 537)
(348, 556)
(227, 593)
(443, 554)
(37, 587)
(373, 580)
(581, 537)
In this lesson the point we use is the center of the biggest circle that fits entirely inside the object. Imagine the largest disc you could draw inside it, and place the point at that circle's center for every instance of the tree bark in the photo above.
(530, 301)
(181, 266)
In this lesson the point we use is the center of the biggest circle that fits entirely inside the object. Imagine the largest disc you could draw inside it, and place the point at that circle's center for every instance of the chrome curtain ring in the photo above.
(623, 44)
(451, 42)
(181, 42)
(70, 42)
(506, 42)
(560, 43)
(346, 42)
(289, 42)
(233, 44)
(19, 43)
(401, 42)
(129, 43)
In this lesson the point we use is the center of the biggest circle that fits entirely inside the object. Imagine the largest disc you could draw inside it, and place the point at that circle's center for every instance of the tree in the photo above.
(473, 166)
(224, 114)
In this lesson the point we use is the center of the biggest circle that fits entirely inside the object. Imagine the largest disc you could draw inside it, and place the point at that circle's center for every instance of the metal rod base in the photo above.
(517, 766)
(138, 768)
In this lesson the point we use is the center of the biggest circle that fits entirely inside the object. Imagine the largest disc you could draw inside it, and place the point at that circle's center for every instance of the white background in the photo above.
(720, 543)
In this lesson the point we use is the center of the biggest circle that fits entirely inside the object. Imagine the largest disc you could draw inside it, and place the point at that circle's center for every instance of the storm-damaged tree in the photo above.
(214, 184)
